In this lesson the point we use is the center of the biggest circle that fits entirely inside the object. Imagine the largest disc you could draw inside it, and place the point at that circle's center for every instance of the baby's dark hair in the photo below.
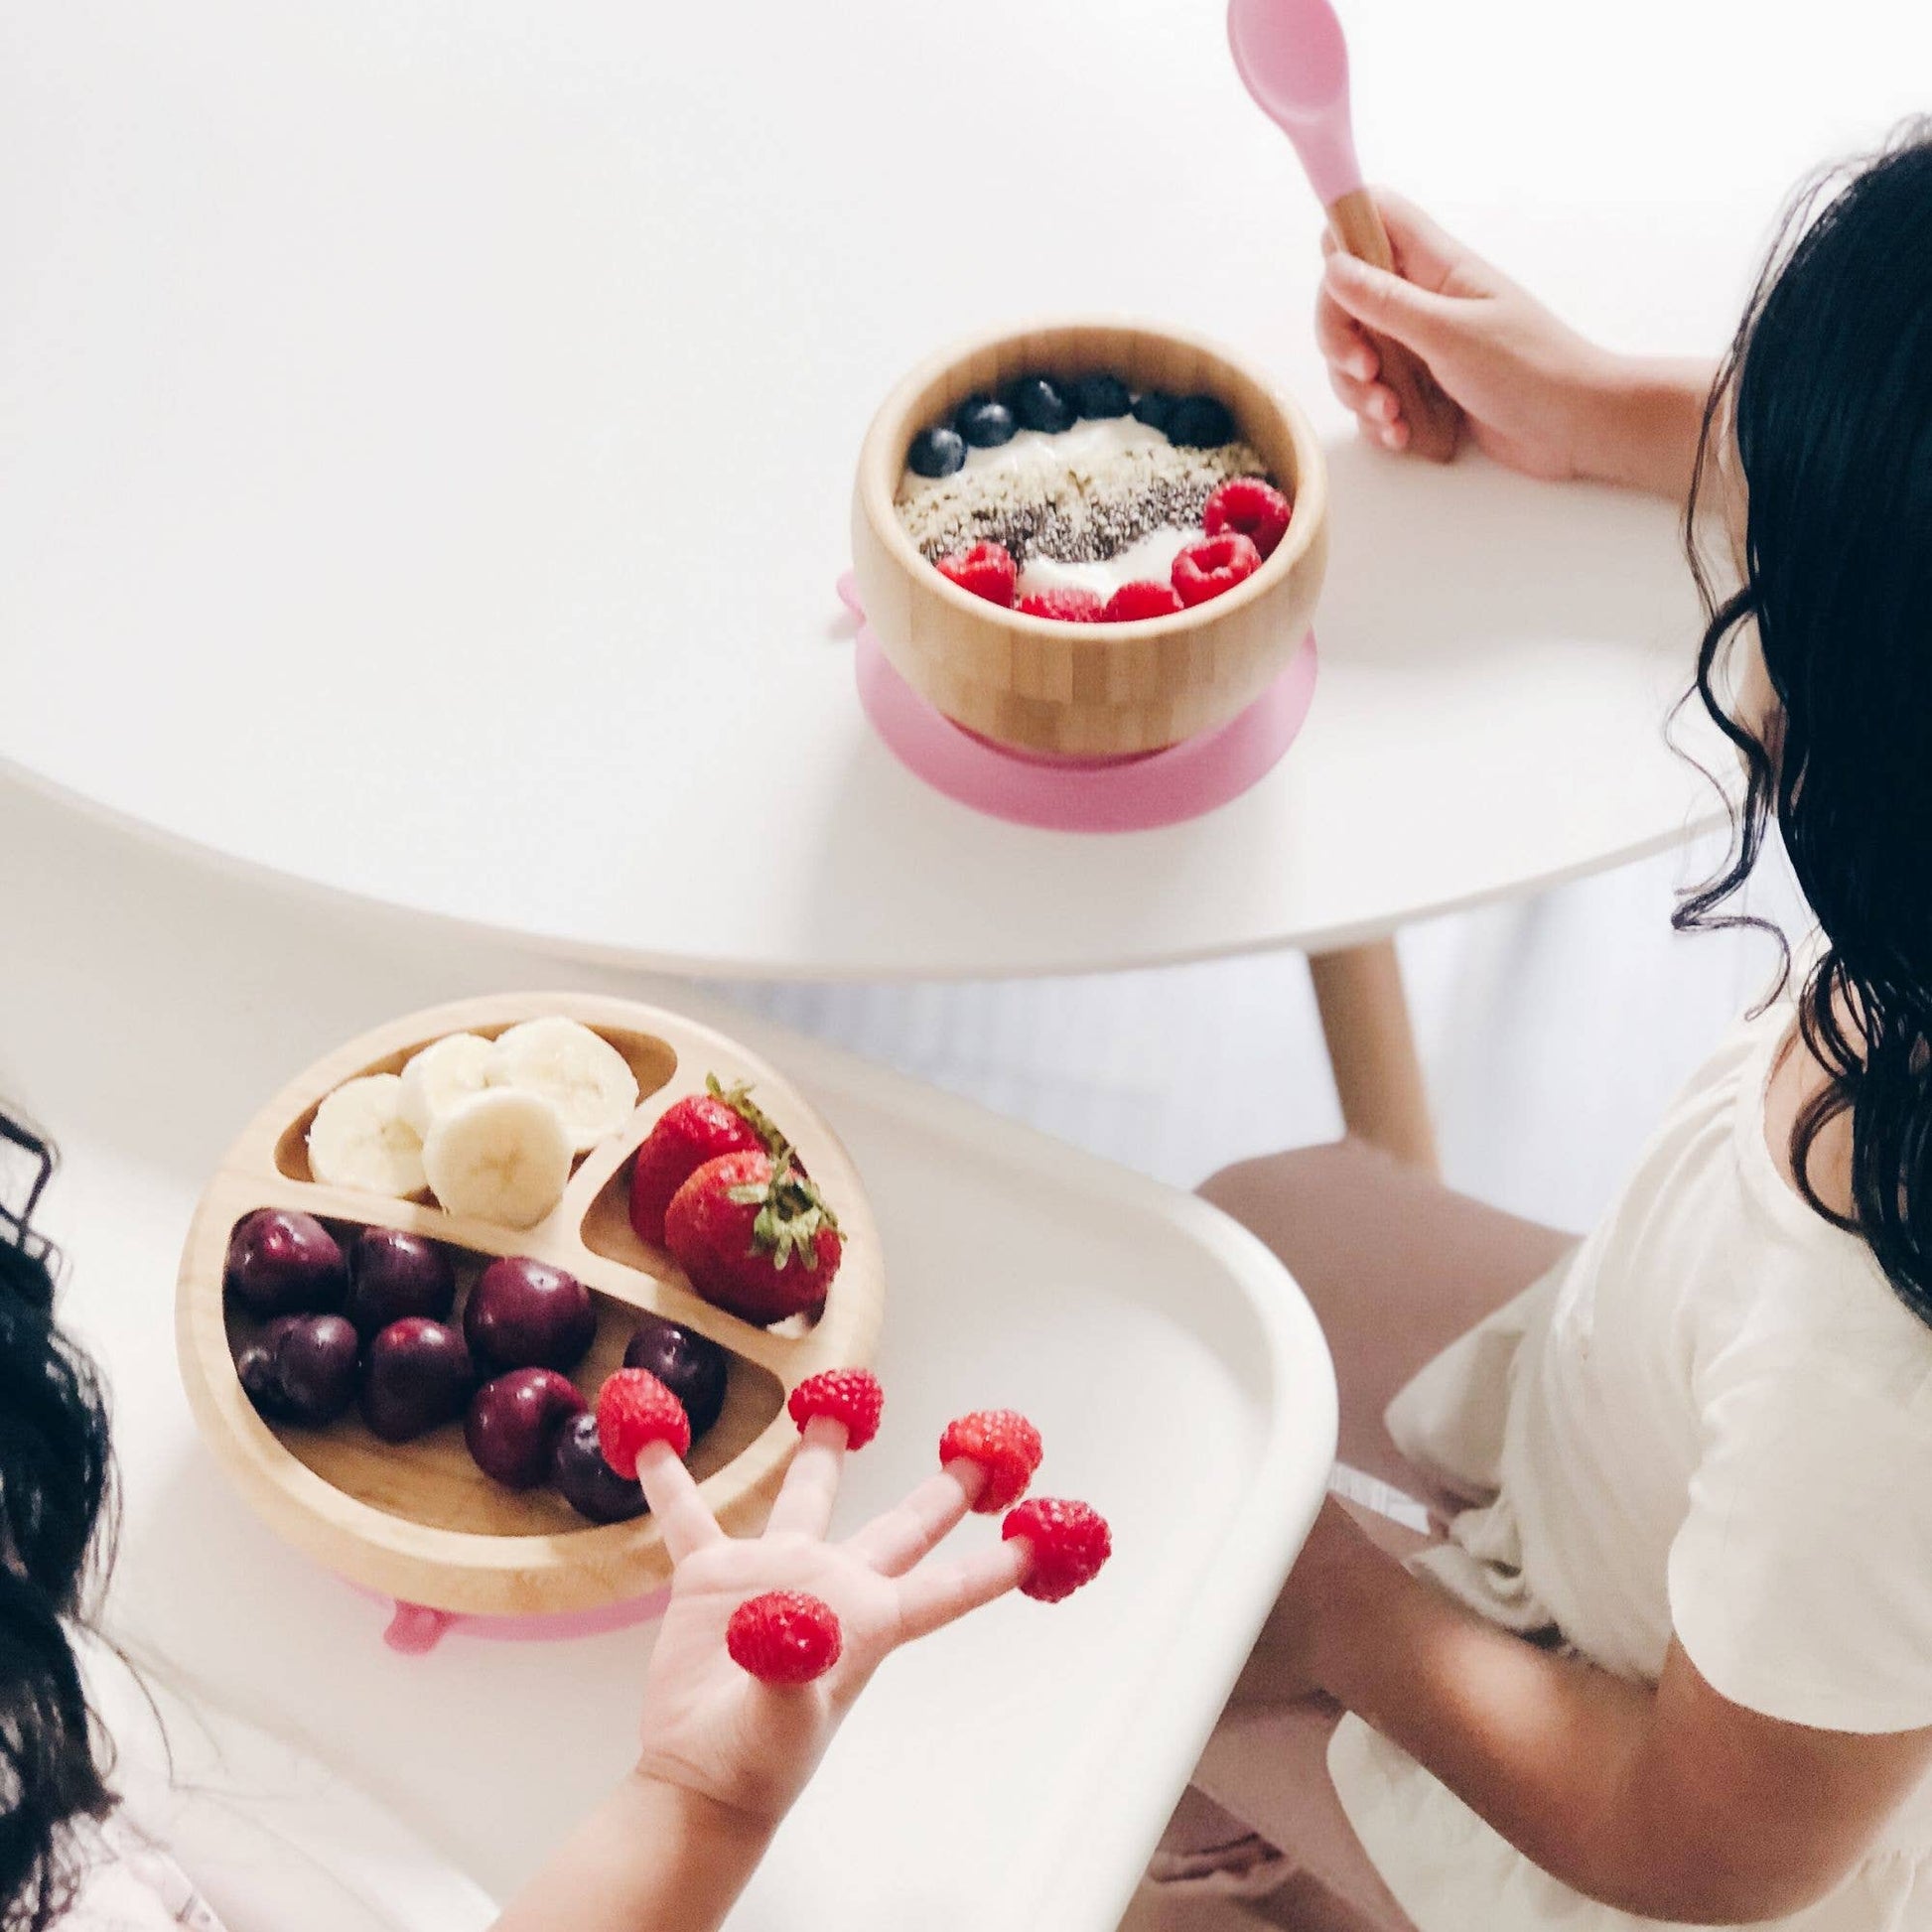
(57, 1510)
(1829, 384)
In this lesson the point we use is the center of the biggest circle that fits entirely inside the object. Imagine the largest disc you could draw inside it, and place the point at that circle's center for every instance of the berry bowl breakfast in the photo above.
(419, 1265)
(1089, 540)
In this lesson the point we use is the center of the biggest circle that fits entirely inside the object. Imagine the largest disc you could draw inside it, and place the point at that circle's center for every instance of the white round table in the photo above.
(429, 430)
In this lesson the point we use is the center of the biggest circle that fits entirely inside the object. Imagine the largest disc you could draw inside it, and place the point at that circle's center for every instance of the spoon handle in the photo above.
(1434, 420)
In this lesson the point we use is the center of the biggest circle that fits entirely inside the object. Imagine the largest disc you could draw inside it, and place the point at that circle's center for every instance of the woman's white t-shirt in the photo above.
(1714, 1420)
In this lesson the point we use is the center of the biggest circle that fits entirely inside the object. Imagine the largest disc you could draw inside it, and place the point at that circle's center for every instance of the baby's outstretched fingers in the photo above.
(836, 1410)
(680, 1511)
(811, 1487)
(893, 1542)
(942, 1592)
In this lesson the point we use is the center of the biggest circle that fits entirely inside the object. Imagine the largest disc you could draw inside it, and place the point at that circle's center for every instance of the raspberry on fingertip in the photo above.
(1003, 1444)
(851, 1396)
(633, 1410)
(1069, 1541)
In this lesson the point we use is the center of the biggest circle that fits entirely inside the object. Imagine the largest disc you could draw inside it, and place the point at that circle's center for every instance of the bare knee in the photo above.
(1324, 1212)
(1274, 1188)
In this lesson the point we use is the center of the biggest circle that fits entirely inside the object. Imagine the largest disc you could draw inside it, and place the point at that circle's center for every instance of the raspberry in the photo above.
(1004, 1444)
(784, 1637)
(633, 1410)
(848, 1395)
(1213, 565)
(1141, 598)
(987, 570)
(1070, 605)
(1069, 1544)
(1254, 509)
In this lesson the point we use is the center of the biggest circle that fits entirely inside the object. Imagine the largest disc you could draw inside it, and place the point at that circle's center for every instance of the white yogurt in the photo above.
(1151, 559)
(1048, 453)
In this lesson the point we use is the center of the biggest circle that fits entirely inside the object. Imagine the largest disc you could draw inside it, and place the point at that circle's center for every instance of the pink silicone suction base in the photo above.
(415, 1630)
(1068, 794)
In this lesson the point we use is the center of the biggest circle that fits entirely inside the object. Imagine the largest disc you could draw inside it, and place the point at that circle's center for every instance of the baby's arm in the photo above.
(653, 1858)
(1534, 393)
(1672, 1804)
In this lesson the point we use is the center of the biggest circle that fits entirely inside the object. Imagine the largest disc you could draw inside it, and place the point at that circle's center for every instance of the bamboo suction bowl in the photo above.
(1073, 689)
(418, 1521)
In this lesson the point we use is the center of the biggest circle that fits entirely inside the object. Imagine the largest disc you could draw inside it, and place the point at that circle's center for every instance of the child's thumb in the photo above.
(1385, 303)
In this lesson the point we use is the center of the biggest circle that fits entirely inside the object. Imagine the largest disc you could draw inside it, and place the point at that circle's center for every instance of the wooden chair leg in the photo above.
(1372, 1051)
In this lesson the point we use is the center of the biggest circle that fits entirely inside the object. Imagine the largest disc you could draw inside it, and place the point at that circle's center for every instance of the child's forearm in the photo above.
(1642, 422)
(653, 1858)
(1549, 1750)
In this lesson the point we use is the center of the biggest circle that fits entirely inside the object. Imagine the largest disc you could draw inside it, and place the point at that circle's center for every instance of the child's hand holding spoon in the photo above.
(1425, 340)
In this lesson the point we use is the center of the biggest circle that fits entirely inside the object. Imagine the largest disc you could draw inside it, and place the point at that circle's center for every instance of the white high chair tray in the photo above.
(1015, 1770)
(1011, 1773)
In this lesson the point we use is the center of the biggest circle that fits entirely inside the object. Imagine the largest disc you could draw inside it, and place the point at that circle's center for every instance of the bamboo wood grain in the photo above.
(1088, 690)
(1434, 422)
(418, 1521)
(1372, 1051)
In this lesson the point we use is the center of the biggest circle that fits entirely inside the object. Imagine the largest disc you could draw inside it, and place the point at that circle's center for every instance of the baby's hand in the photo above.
(712, 1728)
(743, 1697)
(1530, 388)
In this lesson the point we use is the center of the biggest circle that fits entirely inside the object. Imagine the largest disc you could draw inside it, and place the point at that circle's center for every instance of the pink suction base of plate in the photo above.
(1128, 795)
(415, 1630)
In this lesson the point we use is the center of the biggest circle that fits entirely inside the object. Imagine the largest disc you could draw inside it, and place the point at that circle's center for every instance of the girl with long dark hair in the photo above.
(671, 1847)
(1666, 1655)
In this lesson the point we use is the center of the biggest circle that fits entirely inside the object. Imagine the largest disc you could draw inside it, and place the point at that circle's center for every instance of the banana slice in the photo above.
(587, 1080)
(359, 1139)
(502, 1155)
(445, 1074)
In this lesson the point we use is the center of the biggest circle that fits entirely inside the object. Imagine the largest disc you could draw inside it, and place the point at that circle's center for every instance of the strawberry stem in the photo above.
(739, 1100)
(791, 1215)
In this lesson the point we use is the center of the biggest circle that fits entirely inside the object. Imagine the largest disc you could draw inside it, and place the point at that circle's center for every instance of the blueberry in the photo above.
(1152, 408)
(937, 452)
(1200, 423)
(1038, 403)
(1102, 396)
(983, 423)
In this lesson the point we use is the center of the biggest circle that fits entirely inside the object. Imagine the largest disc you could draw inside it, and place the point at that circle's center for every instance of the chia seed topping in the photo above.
(1085, 513)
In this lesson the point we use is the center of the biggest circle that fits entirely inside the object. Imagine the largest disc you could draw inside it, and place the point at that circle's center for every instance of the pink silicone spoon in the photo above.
(1291, 57)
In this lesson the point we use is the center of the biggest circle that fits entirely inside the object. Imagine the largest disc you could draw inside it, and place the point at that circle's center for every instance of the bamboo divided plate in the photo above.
(1089, 690)
(418, 1521)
